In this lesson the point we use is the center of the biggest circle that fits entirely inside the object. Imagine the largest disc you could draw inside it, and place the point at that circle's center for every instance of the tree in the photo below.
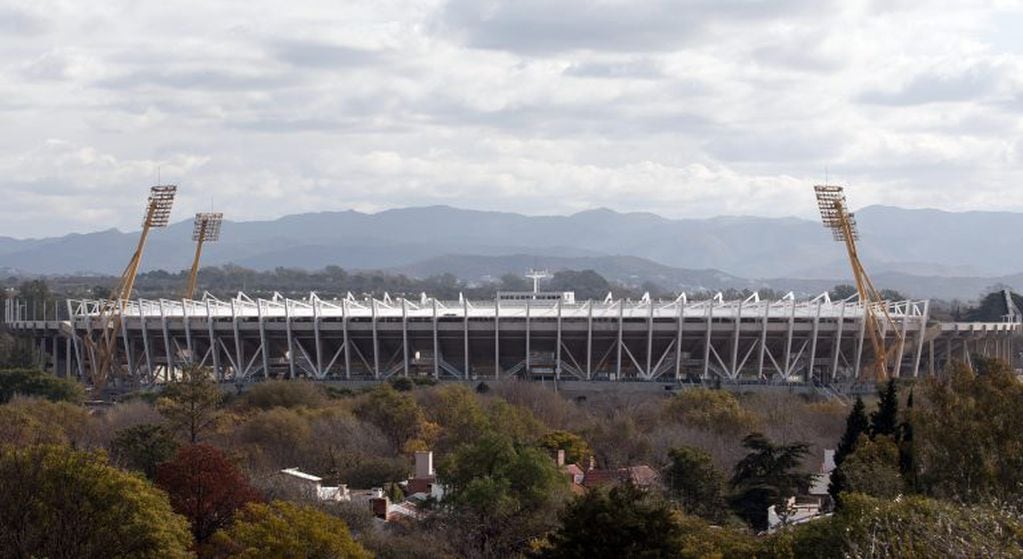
(766, 476)
(499, 496)
(968, 435)
(713, 410)
(911, 526)
(281, 436)
(695, 483)
(32, 421)
(287, 531)
(623, 521)
(191, 404)
(586, 284)
(885, 421)
(32, 382)
(577, 450)
(285, 394)
(873, 469)
(842, 291)
(36, 296)
(204, 487)
(143, 447)
(855, 426)
(63, 503)
(457, 411)
(514, 421)
(17, 352)
(396, 414)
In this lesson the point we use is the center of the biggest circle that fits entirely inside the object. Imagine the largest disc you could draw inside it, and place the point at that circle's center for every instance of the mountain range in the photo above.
(924, 252)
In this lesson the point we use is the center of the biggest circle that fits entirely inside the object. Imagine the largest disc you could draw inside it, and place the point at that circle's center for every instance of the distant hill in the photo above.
(967, 249)
(628, 270)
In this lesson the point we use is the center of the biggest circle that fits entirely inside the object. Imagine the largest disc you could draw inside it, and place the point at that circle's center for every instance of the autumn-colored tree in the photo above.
(191, 404)
(32, 421)
(205, 487)
(577, 450)
(285, 530)
(712, 410)
(56, 502)
(285, 394)
(515, 422)
(280, 437)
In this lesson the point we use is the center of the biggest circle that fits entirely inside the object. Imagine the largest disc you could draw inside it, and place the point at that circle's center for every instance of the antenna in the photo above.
(536, 276)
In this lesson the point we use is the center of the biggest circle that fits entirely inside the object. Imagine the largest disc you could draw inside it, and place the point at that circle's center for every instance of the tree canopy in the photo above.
(205, 487)
(623, 521)
(57, 502)
(33, 382)
(766, 476)
(285, 530)
(191, 403)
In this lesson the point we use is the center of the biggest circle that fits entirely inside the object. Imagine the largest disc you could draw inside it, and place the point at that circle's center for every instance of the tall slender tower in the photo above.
(836, 216)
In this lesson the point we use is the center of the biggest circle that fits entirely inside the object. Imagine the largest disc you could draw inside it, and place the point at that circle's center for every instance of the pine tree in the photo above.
(885, 421)
(855, 425)
(906, 462)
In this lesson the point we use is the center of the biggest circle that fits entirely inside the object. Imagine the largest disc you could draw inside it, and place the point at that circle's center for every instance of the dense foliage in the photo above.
(57, 502)
(931, 469)
(285, 530)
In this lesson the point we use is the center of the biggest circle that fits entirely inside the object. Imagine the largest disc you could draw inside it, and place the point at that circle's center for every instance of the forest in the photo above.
(925, 469)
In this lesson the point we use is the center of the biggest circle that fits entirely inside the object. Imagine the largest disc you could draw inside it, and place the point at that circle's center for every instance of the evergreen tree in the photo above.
(885, 421)
(855, 425)
(906, 463)
(624, 521)
(767, 476)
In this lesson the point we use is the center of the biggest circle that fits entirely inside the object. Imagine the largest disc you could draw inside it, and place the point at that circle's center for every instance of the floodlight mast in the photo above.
(206, 229)
(842, 223)
(103, 349)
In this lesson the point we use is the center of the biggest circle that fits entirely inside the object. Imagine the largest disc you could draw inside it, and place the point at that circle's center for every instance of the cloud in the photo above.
(680, 107)
(643, 69)
(15, 20)
(315, 54)
(532, 26)
(972, 84)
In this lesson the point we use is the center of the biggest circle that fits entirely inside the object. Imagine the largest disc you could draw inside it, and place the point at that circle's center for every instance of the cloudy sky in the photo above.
(685, 108)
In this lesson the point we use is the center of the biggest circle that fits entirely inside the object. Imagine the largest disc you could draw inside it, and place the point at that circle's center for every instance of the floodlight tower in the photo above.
(206, 229)
(102, 344)
(842, 223)
(536, 276)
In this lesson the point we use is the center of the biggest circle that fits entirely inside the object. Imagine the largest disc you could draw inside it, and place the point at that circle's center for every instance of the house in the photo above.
(822, 479)
(817, 503)
(311, 487)
(642, 475)
(797, 510)
(424, 480)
